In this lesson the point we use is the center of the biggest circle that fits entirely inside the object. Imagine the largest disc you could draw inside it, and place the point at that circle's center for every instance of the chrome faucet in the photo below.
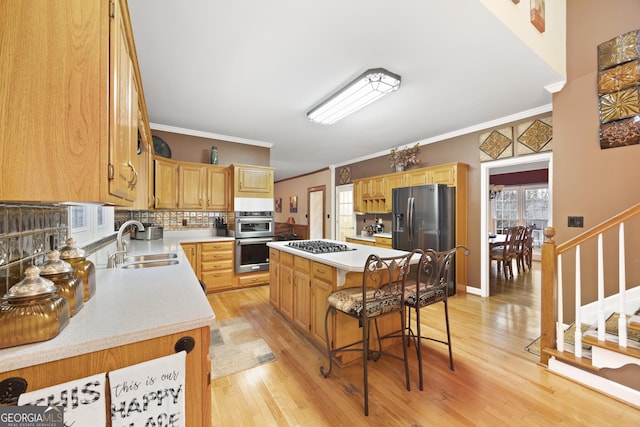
(121, 249)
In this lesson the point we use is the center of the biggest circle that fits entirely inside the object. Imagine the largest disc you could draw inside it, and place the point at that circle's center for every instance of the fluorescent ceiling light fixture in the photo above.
(369, 86)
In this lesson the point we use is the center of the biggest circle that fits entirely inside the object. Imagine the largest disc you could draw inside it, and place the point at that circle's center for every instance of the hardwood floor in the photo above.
(495, 382)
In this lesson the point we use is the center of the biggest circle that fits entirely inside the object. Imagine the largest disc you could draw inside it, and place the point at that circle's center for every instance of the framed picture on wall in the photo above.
(278, 204)
(537, 14)
(293, 204)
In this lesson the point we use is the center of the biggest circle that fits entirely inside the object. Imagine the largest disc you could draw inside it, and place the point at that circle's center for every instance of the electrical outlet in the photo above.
(575, 221)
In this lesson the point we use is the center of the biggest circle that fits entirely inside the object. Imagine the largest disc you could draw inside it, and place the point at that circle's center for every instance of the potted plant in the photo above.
(401, 158)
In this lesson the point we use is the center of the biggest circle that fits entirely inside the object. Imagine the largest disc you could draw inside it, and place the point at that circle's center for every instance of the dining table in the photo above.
(496, 240)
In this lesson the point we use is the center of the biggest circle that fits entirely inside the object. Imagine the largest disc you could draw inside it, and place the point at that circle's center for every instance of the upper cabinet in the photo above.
(374, 194)
(166, 184)
(70, 103)
(217, 194)
(252, 181)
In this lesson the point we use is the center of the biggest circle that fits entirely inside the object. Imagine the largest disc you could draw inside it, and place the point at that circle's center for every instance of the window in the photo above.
(90, 222)
(522, 205)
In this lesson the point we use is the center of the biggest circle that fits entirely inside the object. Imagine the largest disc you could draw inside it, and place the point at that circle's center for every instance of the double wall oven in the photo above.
(253, 230)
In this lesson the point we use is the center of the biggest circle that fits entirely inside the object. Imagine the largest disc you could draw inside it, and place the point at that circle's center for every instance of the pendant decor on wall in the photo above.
(534, 136)
(496, 144)
(345, 175)
(619, 90)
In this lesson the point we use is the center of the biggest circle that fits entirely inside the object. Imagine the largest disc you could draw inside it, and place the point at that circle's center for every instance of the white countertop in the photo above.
(352, 260)
(130, 305)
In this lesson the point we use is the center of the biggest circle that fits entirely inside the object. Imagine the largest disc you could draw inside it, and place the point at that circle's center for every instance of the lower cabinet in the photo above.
(274, 278)
(197, 375)
(304, 287)
(301, 293)
(215, 260)
(286, 285)
(213, 263)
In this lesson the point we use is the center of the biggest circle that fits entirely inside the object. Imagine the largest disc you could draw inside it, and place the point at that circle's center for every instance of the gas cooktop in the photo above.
(319, 246)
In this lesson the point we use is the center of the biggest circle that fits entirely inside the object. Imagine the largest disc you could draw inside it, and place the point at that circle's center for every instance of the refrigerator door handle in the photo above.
(410, 211)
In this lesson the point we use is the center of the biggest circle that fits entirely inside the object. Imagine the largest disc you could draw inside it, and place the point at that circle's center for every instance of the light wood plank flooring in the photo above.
(495, 382)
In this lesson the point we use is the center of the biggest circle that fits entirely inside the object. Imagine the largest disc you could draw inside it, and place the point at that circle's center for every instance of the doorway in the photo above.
(534, 161)
(316, 209)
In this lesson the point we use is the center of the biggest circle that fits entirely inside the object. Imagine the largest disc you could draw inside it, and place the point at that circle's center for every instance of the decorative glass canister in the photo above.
(32, 311)
(84, 268)
(214, 155)
(62, 274)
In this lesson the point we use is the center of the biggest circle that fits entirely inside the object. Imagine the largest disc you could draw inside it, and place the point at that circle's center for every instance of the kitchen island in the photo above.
(301, 282)
(136, 315)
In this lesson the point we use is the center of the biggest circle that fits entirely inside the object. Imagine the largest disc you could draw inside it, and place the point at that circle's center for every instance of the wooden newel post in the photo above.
(548, 304)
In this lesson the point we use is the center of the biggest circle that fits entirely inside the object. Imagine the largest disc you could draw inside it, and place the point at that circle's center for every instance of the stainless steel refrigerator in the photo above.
(424, 218)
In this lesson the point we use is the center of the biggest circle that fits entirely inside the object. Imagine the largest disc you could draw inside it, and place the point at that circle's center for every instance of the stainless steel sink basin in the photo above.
(150, 257)
(148, 264)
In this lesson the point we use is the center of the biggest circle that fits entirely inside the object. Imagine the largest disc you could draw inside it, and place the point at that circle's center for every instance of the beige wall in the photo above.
(298, 187)
(197, 149)
(589, 181)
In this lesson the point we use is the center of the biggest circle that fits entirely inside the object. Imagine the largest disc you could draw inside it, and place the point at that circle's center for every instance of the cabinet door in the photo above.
(286, 291)
(301, 299)
(358, 205)
(418, 177)
(444, 175)
(166, 187)
(217, 188)
(190, 250)
(274, 278)
(123, 117)
(320, 291)
(253, 181)
(392, 181)
(191, 182)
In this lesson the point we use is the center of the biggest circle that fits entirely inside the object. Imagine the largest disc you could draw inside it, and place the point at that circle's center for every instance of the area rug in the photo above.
(569, 338)
(236, 346)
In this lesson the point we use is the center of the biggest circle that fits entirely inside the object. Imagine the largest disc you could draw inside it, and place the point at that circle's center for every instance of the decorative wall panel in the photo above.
(535, 136)
(496, 144)
(619, 90)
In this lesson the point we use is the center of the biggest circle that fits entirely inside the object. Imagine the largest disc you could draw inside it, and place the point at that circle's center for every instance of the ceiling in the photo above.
(249, 70)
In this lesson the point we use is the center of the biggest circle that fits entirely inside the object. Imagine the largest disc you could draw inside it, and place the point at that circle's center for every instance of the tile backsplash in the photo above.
(27, 232)
(172, 220)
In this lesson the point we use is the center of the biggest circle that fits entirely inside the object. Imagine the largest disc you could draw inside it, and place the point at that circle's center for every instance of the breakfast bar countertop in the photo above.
(130, 305)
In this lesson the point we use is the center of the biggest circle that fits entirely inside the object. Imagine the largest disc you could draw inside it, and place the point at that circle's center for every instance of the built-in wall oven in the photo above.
(253, 230)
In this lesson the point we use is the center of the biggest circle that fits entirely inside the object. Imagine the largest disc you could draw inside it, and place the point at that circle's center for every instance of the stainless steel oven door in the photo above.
(249, 227)
(252, 254)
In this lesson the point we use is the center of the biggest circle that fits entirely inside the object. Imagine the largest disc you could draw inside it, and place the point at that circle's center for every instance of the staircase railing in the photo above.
(552, 305)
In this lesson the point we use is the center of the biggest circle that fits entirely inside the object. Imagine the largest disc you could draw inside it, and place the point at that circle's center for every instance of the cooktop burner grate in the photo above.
(319, 246)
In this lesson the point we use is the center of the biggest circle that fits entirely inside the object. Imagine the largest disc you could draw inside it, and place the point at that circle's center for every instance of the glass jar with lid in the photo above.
(61, 273)
(32, 311)
(83, 267)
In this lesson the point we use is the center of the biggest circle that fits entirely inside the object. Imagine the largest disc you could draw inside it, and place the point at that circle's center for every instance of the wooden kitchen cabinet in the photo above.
(166, 184)
(191, 252)
(70, 133)
(301, 293)
(252, 181)
(217, 189)
(215, 261)
(286, 285)
(274, 278)
(197, 374)
(322, 277)
(192, 179)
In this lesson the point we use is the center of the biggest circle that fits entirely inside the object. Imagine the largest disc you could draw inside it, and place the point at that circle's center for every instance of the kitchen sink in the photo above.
(130, 259)
(148, 264)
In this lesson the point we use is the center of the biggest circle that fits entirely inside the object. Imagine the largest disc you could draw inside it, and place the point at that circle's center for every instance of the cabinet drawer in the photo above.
(217, 279)
(216, 265)
(286, 258)
(324, 272)
(216, 256)
(252, 279)
(274, 254)
(301, 264)
(217, 246)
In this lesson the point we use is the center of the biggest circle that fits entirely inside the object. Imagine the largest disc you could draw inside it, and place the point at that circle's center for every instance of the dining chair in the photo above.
(525, 248)
(431, 287)
(381, 294)
(504, 254)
